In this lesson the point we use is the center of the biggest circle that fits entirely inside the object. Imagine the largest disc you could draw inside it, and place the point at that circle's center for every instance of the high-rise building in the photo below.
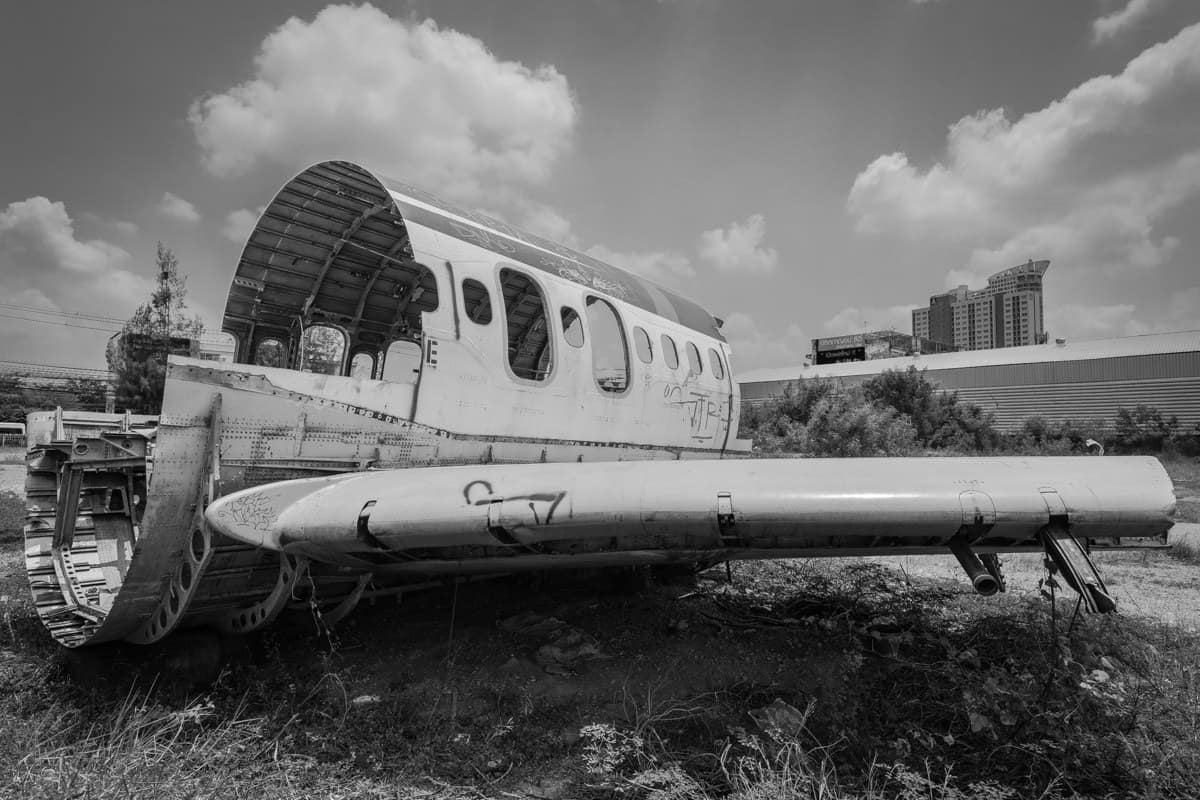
(1007, 313)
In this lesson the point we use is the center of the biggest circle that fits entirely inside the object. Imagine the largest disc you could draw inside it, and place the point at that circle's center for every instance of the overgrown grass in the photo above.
(927, 693)
(917, 689)
(940, 699)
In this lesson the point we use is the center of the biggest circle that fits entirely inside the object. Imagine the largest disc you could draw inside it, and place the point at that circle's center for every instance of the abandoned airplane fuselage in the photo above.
(421, 391)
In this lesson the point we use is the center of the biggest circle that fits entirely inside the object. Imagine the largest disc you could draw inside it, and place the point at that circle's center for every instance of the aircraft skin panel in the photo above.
(452, 515)
(671, 406)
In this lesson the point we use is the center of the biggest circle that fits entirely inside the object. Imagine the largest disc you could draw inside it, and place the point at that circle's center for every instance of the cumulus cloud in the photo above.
(1134, 11)
(754, 348)
(239, 224)
(1083, 181)
(667, 267)
(739, 247)
(548, 223)
(869, 318)
(1078, 321)
(41, 258)
(178, 209)
(428, 105)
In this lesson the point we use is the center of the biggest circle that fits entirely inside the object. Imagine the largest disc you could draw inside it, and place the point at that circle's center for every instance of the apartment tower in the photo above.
(1007, 313)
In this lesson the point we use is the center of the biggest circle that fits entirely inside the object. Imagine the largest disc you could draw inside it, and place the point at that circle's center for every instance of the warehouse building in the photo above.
(1056, 381)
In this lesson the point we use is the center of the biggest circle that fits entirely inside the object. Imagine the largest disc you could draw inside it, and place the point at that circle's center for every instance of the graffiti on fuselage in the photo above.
(706, 414)
(255, 511)
(541, 504)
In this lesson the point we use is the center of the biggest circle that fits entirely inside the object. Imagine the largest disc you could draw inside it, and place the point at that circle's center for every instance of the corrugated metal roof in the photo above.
(1148, 344)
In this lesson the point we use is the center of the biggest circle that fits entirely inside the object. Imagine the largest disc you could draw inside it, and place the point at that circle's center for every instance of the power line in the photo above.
(114, 328)
(48, 366)
(63, 313)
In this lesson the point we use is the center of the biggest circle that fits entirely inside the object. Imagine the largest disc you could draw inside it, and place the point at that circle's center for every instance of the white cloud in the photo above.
(239, 224)
(126, 228)
(861, 320)
(1083, 181)
(546, 222)
(739, 248)
(177, 208)
(427, 105)
(1078, 321)
(667, 267)
(754, 348)
(40, 259)
(1074, 321)
(1113, 23)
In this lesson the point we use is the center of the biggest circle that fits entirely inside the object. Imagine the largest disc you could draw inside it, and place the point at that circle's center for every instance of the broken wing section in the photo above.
(492, 518)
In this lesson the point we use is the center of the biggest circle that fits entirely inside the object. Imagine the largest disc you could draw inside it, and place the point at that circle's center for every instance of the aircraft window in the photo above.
(529, 352)
(641, 343)
(670, 353)
(477, 301)
(694, 363)
(714, 358)
(610, 356)
(362, 365)
(402, 362)
(572, 327)
(321, 350)
(269, 353)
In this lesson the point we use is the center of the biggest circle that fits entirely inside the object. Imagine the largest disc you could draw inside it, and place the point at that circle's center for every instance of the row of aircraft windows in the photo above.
(529, 340)
(529, 335)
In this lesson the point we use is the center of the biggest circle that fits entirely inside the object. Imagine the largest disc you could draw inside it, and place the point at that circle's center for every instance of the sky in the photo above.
(799, 168)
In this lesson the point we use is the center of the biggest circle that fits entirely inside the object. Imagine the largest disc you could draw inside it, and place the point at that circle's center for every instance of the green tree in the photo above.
(1143, 429)
(940, 419)
(844, 426)
(912, 395)
(137, 356)
(88, 393)
(12, 399)
(820, 418)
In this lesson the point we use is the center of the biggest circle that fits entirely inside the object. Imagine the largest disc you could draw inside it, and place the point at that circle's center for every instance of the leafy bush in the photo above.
(818, 418)
(843, 426)
(941, 421)
(895, 413)
(1059, 438)
(1143, 429)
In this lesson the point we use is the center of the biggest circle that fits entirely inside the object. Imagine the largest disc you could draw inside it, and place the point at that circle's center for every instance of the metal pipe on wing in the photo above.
(984, 582)
(504, 517)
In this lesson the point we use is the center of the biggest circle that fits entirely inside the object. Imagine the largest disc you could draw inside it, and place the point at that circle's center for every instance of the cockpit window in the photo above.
(714, 360)
(477, 301)
(402, 362)
(670, 353)
(529, 344)
(641, 344)
(610, 355)
(362, 365)
(572, 327)
(270, 353)
(694, 363)
(321, 350)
